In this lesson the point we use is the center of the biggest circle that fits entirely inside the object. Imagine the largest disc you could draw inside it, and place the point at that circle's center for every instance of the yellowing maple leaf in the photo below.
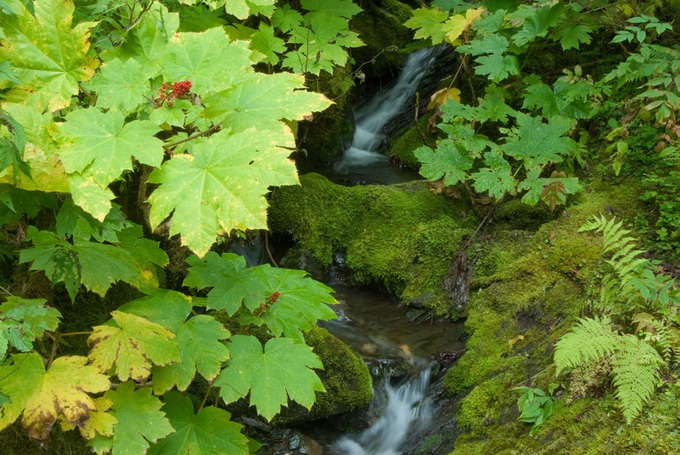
(46, 54)
(456, 25)
(43, 396)
(131, 344)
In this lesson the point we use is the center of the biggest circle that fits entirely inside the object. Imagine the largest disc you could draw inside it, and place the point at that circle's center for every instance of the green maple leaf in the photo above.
(210, 431)
(264, 100)
(300, 303)
(24, 320)
(130, 345)
(448, 161)
(46, 54)
(121, 84)
(140, 422)
(427, 22)
(101, 144)
(200, 350)
(536, 143)
(265, 41)
(282, 371)
(199, 57)
(489, 44)
(496, 66)
(221, 185)
(199, 339)
(537, 24)
(573, 36)
(286, 19)
(535, 186)
(43, 396)
(496, 177)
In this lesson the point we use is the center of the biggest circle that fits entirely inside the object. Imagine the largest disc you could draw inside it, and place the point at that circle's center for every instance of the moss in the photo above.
(345, 377)
(400, 237)
(532, 284)
(403, 146)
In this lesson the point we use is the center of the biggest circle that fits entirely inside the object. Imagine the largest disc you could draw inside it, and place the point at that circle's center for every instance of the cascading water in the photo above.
(407, 410)
(371, 118)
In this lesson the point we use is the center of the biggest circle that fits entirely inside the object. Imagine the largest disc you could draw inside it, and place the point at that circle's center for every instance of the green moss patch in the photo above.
(401, 237)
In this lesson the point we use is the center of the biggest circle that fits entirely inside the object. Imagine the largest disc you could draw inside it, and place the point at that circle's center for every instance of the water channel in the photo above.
(371, 323)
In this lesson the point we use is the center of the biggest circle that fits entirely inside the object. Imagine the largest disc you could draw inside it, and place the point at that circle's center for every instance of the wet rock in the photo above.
(395, 368)
(457, 282)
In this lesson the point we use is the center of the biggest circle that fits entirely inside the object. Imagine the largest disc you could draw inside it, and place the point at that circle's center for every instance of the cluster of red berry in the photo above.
(169, 92)
(270, 300)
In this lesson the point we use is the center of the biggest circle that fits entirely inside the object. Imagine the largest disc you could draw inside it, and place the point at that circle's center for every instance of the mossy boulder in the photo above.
(401, 238)
(345, 377)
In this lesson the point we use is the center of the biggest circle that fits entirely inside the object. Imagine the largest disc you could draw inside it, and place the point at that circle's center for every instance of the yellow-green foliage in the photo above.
(482, 406)
(402, 147)
(400, 237)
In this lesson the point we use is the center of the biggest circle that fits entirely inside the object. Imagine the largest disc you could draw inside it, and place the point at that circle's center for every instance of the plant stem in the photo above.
(167, 147)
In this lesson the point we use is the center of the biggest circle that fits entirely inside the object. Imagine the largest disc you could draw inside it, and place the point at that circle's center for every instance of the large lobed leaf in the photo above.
(140, 422)
(43, 396)
(129, 345)
(199, 339)
(221, 185)
(46, 54)
(210, 431)
(299, 300)
(281, 371)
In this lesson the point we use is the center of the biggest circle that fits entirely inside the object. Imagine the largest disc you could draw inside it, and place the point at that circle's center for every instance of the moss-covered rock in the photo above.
(345, 377)
(401, 238)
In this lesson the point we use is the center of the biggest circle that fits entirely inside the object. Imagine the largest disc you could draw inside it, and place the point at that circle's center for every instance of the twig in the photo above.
(6, 291)
(167, 147)
(266, 248)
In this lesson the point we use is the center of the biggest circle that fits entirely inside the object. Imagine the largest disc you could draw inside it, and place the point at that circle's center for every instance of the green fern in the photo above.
(635, 363)
(589, 341)
(636, 374)
(625, 261)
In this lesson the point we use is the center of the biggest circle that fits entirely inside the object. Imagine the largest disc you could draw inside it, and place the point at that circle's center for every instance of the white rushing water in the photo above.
(407, 410)
(371, 118)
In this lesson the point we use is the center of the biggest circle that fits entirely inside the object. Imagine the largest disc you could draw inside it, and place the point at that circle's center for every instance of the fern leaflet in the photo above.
(589, 340)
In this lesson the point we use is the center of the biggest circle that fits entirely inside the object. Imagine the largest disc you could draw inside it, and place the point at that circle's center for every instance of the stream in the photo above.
(362, 161)
(385, 335)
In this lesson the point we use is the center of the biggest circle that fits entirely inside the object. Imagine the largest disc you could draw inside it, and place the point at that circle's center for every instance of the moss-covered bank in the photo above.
(527, 291)
(401, 238)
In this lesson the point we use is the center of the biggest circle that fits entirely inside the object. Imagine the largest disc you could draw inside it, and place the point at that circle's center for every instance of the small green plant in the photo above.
(535, 405)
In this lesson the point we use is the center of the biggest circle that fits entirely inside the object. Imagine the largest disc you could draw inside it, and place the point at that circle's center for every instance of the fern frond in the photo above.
(636, 374)
(590, 339)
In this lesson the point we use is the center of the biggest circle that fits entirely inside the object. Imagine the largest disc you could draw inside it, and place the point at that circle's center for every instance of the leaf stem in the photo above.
(71, 334)
(205, 397)
(167, 147)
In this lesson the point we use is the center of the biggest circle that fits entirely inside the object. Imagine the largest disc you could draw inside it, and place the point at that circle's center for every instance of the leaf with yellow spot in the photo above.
(46, 54)
(131, 345)
(221, 185)
(458, 24)
(43, 396)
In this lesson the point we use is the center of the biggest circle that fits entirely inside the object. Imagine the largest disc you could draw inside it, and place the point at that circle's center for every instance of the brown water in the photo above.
(376, 327)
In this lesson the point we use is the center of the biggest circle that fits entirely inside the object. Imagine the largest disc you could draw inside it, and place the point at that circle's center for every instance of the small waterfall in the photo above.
(407, 410)
(372, 117)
